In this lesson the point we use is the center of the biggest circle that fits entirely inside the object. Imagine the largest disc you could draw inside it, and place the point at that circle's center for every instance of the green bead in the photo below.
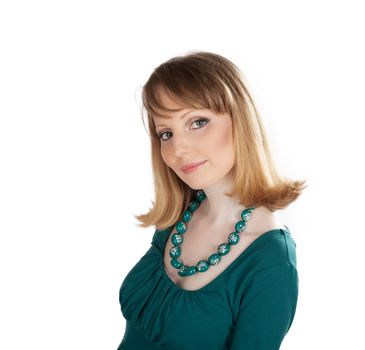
(175, 252)
(176, 263)
(176, 239)
(240, 226)
(233, 238)
(246, 214)
(223, 249)
(183, 270)
(181, 227)
(187, 215)
(214, 259)
(191, 270)
(200, 195)
(194, 205)
(202, 265)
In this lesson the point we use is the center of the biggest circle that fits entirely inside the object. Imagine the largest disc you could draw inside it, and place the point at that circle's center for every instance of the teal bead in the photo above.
(183, 270)
(246, 214)
(175, 252)
(181, 227)
(194, 205)
(176, 263)
(223, 249)
(187, 215)
(240, 226)
(191, 270)
(233, 238)
(202, 266)
(176, 239)
(200, 195)
(214, 259)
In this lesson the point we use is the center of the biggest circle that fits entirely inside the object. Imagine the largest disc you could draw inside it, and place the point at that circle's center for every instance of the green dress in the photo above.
(248, 306)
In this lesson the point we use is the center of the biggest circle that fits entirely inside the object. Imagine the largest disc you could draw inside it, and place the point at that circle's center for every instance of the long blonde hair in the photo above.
(209, 81)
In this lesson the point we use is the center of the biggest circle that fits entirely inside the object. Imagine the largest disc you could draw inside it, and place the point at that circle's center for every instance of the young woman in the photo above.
(221, 270)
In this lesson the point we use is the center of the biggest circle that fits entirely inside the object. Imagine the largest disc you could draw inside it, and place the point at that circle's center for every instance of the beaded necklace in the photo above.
(223, 249)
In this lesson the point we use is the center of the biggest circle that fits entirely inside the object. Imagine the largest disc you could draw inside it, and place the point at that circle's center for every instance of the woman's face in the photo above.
(195, 135)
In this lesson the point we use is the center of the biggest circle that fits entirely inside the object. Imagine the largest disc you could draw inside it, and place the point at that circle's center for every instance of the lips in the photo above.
(191, 165)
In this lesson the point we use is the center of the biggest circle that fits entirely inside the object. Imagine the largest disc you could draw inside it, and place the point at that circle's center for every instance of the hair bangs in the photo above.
(188, 88)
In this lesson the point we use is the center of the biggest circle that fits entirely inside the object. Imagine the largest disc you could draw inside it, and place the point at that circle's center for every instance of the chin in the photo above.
(197, 185)
(194, 185)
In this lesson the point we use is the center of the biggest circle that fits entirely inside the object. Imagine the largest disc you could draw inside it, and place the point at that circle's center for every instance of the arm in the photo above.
(267, 309)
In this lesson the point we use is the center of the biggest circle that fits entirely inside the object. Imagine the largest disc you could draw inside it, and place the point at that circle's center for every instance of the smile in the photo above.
(190, 169)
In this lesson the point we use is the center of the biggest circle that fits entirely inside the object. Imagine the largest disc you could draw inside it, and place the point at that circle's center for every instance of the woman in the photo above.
(221, 270)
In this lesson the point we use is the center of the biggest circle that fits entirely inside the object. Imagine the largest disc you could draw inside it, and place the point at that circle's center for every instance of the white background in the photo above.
(75, 156)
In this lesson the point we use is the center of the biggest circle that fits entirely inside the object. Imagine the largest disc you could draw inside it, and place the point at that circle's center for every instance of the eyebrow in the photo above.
(166, 117)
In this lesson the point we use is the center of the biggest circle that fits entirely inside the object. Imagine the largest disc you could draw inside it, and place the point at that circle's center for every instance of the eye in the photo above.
(204, 120)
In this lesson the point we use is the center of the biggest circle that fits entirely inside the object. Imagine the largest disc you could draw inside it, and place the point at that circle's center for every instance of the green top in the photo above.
(250, 305)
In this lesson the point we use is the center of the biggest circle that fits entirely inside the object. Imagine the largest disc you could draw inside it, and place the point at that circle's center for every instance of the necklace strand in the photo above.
(215, 258)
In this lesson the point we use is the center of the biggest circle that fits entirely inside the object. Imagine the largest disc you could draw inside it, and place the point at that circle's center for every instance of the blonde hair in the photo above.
(209, 81)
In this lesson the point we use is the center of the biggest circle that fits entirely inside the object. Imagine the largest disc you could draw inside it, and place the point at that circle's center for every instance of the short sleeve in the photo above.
(267, 309)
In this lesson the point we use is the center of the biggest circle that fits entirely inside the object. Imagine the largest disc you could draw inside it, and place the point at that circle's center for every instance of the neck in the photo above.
(218, 208)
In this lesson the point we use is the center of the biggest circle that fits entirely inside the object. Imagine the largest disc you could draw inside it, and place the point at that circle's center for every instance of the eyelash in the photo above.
(198, 120)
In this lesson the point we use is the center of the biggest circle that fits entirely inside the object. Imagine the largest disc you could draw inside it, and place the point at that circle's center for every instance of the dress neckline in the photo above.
(235, 261)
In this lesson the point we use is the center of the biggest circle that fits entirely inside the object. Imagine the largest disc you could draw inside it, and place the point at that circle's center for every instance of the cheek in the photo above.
(166, 156)
(222, 141)
(163, 155)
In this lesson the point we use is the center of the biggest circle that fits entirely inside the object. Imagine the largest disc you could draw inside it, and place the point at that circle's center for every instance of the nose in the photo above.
(181, 145)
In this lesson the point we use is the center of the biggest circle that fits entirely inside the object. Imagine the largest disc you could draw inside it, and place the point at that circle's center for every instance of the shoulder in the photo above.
(263, 220)
(277, 247)
(275, 244)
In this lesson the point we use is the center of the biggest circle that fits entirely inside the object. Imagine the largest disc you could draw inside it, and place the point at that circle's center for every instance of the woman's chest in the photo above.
(199, 243)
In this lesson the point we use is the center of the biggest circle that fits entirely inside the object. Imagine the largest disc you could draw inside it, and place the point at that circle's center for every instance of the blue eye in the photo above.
(206, 121)
(163, 134)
